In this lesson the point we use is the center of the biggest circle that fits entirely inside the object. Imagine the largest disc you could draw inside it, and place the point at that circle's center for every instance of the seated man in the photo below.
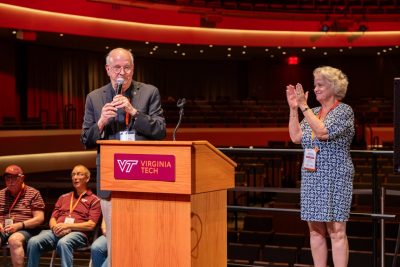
(21, 212)
(75, 215)
(99, 249)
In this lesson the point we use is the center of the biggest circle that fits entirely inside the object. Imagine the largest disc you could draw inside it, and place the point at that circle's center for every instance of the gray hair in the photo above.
(116, 49)
(336, 78)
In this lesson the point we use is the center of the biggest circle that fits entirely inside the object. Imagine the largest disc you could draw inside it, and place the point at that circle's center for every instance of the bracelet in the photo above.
(305, 109)
(23, 225)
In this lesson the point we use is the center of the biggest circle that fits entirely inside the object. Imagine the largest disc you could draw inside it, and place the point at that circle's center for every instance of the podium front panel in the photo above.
(183, 168)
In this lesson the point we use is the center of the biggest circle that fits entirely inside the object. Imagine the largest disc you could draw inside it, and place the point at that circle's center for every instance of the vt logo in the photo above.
(126, 165)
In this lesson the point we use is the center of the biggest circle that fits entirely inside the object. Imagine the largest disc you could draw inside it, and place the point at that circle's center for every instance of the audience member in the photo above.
(74, 216)
(21, 212)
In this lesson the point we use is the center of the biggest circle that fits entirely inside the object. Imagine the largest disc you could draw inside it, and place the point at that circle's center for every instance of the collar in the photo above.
(8, 193)
(88, 193)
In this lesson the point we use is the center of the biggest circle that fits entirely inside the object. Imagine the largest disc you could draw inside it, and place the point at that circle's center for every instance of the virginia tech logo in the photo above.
(151, 167)
(126, 165)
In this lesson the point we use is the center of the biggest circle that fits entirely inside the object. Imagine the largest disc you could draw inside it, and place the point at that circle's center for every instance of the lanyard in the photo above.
(16, 200)
(319, 115)
(72, 207)
(127, 115)
(127, 119)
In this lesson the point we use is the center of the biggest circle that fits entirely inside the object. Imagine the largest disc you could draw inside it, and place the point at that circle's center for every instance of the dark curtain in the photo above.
(58, 82)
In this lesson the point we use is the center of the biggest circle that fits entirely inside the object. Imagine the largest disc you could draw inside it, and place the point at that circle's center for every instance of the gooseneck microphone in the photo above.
(120, 81)
(180, 104)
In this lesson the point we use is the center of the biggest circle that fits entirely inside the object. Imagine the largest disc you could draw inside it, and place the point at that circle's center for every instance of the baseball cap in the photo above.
(13, 170)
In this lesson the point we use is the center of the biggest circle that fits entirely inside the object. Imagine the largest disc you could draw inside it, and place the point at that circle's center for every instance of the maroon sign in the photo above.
(144, 167)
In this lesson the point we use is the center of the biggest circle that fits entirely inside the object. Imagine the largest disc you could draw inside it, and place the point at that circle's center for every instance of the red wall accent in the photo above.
(147, 22)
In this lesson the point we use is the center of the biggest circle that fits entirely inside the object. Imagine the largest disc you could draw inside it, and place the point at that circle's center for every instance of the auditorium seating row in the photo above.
(264, 239)
(221, 113)
(264, 113)
(257, 244)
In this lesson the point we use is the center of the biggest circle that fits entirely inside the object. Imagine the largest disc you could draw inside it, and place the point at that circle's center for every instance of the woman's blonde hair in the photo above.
(336, 78)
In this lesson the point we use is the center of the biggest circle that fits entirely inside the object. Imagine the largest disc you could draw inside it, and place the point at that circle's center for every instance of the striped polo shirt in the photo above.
(29, 200)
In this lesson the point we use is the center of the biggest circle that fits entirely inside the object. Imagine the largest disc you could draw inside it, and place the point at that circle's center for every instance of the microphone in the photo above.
(180, 104)
(120, 81)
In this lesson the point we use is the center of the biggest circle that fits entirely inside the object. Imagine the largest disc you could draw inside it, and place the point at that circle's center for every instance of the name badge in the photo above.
(8, 222)
(69, 220)
(310, 159)
(127, 136)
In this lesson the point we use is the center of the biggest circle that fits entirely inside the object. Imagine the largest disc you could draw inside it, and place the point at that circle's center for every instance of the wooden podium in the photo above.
(173, 211)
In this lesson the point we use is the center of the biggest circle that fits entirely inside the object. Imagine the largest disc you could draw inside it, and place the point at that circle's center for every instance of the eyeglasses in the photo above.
(12, 177)
(117, 68)
(80, 174)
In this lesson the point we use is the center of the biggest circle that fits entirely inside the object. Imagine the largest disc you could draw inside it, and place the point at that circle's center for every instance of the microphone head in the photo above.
(181, 102)
(120, 81)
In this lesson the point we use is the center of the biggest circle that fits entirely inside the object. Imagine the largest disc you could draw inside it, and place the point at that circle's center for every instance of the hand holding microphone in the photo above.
(121, 101)
(109, 110)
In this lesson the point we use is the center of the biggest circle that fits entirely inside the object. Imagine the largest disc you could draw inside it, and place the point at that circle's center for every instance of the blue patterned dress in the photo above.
(326, 192)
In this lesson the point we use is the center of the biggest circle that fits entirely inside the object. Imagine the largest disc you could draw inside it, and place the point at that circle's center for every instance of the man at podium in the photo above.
(123, 109)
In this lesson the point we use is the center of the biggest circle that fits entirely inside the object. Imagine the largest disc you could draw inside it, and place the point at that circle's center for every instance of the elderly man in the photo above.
(123, 109)
(21, 212)
(75, 215)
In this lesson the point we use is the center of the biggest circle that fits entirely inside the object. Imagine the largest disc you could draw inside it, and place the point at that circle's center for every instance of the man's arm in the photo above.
(38, 219)
(90, 129)
(151, 125)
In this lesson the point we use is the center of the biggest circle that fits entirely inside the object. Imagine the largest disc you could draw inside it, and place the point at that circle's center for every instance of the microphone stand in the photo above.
(180, 104)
